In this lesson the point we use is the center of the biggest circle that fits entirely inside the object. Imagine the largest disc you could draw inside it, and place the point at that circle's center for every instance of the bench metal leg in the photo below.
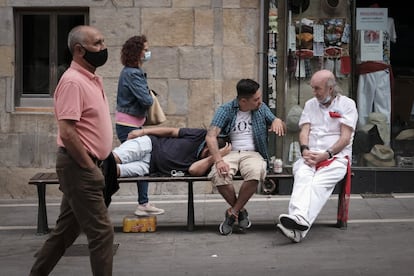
(42, 225)
(343, 204)
(190, 207)
(342, 216)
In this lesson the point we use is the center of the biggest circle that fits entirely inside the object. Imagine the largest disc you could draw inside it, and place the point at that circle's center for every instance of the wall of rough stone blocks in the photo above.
(200, 49)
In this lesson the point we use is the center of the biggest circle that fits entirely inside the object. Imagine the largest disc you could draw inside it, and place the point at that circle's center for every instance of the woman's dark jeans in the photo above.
(142, 186)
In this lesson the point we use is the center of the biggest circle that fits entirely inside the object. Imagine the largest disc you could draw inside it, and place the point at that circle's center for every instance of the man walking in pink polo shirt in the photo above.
(84, 139)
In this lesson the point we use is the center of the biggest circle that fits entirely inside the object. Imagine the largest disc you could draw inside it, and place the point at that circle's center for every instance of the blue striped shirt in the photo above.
(225, 119)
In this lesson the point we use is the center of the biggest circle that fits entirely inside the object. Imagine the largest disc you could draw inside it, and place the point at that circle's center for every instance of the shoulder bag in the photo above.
(155, 114)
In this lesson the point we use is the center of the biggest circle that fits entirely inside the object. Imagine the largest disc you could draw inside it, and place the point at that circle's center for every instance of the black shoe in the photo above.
(226, 227)
(291, 222)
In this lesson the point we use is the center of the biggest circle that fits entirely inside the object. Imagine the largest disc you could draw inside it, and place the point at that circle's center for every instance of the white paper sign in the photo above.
(371, 45)
(372, 19)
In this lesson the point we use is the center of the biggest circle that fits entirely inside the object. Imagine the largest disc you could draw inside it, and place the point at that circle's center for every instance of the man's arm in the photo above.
(313, 158)
(212, 143)
(278, 127)
(343, 141)
(304, 137)
(202, 166)
(304, 144)
(156, 131)
(73, 145)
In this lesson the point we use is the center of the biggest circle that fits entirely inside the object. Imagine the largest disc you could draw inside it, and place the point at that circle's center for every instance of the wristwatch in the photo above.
(303, 147)
(329, 153)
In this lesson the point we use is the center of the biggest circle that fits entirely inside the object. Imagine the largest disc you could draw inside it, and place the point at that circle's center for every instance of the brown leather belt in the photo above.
(94, 159)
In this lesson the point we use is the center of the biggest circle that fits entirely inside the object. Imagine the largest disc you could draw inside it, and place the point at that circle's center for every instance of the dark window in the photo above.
(42, 54)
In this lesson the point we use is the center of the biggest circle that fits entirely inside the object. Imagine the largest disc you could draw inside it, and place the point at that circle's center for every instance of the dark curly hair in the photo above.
(132, 49)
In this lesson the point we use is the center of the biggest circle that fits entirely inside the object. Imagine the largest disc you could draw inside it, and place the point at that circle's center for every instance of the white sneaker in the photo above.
(292, 222)
(293, 235)
(148, 209)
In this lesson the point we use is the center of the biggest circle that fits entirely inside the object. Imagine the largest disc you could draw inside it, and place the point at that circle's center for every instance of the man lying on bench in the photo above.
(161, 150)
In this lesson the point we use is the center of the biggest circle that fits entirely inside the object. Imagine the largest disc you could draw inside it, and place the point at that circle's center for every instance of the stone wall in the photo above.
(200, 49)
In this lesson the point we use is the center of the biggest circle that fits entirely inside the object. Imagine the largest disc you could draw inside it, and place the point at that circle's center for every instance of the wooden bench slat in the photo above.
(48, 178)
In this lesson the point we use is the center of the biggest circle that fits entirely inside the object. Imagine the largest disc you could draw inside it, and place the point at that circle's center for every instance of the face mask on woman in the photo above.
(147, 56)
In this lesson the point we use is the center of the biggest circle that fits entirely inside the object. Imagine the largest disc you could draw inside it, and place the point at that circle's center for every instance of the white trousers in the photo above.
(135, 155)
(312, 188)
(374, 95)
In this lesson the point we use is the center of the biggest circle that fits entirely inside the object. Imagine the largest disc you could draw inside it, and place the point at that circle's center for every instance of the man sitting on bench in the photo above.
(163, 149)
(327, 126)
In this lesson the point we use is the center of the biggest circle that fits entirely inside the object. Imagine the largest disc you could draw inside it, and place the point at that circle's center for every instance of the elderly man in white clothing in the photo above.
(327, 127)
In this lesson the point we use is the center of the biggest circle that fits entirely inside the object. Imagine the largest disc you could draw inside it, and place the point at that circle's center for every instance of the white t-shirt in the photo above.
(242, 134)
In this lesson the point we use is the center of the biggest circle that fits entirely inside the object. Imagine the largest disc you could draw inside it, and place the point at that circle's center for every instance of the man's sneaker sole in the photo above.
(141, 213)
(156, 213)
(290, 223)
(222, 231)
(292, 235)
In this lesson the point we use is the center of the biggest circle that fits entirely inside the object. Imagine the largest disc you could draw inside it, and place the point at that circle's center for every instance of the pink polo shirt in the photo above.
(79, 96)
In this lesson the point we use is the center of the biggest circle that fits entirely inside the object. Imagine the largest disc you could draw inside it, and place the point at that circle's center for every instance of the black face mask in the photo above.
(96, 58)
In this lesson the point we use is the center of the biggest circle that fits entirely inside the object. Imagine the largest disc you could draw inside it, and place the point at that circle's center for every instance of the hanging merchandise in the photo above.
(318, 49)
(272, 64)
(291, 66)
(318, 39)
(345, 63)
(296, 110)
(304, 68)
(334, 28)
(291, 34)
(338, 66)
(332, 63)
(272, 58)
(272, 55)
(300, 69)
(346, 33)
(318, 33)
(305, 40)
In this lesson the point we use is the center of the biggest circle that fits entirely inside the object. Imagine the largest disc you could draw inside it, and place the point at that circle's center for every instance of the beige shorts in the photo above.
(251, 165)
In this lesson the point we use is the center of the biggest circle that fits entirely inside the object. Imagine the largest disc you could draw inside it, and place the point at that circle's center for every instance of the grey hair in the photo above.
(331, 82)
(76, 35)
(337, 90)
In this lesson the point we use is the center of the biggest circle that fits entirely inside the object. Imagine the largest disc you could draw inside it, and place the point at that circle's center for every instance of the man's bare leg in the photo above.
(228, 193)
(247, 189)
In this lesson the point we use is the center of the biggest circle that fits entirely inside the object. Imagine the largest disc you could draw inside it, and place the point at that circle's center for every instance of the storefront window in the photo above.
(385, 134)
(313, 41)
(313, 36)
